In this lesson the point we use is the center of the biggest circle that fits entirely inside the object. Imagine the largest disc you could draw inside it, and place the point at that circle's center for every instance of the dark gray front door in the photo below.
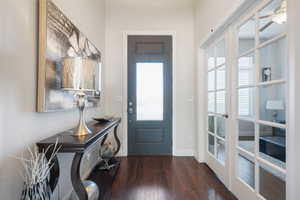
(149, 95)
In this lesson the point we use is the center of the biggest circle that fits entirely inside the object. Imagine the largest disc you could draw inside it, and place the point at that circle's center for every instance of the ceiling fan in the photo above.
(278, 16)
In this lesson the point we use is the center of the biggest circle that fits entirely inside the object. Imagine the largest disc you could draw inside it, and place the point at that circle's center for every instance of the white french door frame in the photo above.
(239, 187)
(293, 147)
(235, 184)
(221, 170)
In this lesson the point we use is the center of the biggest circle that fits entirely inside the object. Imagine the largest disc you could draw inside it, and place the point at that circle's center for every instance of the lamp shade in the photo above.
(79, 73)
(275, 105)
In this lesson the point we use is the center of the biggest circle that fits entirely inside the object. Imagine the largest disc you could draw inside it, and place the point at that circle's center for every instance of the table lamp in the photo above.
(275, 106)
(79, 74)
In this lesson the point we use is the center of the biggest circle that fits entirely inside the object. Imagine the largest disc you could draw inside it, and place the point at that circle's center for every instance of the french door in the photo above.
(260, 111)
(246, 72)
(217, 108)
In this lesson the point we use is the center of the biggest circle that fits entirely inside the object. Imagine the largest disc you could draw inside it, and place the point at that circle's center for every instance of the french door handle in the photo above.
(225, 116)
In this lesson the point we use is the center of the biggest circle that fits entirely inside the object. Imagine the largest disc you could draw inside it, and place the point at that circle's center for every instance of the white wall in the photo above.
(20, 125)
(154, 16)
(209, 14)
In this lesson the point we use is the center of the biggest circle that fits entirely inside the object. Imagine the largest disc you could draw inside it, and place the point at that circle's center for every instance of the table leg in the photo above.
(75, 177)
(117, 139)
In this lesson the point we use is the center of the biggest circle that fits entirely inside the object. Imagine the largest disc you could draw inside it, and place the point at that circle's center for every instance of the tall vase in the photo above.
(39, 191)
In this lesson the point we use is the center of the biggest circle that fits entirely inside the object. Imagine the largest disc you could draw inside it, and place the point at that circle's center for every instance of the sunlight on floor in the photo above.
(149, 192)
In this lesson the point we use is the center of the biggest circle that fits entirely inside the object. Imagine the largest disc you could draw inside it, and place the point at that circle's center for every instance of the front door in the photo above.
(149, 95)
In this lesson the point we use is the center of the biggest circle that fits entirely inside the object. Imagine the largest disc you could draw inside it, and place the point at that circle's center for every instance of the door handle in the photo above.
(225, 116)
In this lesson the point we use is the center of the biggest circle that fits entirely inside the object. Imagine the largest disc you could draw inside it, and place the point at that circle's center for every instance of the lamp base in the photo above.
(82, 129)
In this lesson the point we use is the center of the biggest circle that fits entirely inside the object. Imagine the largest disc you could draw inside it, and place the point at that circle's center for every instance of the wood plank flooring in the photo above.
(167, 178)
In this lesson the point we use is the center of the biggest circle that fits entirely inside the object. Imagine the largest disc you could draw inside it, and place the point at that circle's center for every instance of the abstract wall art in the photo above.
(59, 39)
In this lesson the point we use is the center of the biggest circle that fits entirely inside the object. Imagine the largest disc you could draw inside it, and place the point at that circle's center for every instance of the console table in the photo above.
(69, 143)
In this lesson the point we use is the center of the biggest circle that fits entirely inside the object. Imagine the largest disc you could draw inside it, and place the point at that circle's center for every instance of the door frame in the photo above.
(233, 19)
(124, 149)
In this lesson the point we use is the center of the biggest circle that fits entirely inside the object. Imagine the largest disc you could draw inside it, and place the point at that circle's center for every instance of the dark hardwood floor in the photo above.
(167, 178)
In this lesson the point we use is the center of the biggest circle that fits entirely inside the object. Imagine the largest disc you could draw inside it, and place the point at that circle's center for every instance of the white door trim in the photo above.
(124, 150)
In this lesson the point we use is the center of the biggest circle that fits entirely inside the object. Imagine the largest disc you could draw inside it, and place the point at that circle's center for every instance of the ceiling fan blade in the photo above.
(266, 26)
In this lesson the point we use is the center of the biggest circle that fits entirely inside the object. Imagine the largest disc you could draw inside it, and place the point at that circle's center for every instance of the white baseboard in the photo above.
(199, 157)
(180, 152)
(184, 152)
(199, 160)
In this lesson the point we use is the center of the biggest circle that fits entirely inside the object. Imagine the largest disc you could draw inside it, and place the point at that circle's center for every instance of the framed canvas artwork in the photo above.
(59, 39)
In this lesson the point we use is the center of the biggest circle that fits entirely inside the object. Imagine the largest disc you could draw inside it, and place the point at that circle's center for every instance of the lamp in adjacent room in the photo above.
(79, 74)
(275, 106)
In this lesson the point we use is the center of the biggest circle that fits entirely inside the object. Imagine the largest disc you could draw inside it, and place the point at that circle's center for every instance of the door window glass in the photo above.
(247, 36)
(216, 100)
(150, 91)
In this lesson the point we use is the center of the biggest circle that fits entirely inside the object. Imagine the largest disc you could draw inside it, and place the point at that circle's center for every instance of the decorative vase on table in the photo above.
(91, 189)
(107, 152)
(37, 173)
(38, 191)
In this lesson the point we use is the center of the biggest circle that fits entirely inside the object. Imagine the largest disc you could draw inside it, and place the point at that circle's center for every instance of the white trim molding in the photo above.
(185, 152)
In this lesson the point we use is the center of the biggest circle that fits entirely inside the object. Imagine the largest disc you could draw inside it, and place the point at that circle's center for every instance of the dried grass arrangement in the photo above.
(37, 173)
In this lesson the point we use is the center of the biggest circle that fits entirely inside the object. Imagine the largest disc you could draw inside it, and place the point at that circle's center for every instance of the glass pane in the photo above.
(211, 143)
(272, 145)
(246, 135)
(272, 103)
(246, 102)
(247, 36)
(273, 61)
(211, 80)
(271, 183)
(150, 91)
(221, 126)
(221, 57)
(211, 124)
(211, 102)
(272, 20)
(221, 155)
(221, 102)
(246, 169)
(221, 78)
(247, 70)
(211, 58)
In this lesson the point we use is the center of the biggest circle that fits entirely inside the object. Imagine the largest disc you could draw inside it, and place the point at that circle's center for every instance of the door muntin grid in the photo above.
(216, 106)
(261, 99)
